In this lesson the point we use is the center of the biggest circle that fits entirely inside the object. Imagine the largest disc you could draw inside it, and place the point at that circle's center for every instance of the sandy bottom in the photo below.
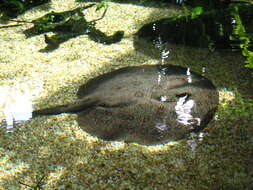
(54, 153)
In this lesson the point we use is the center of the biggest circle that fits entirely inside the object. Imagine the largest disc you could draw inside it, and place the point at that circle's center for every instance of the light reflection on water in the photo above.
(183, 110)
(16, 104)
(189, 77)
(183, 106)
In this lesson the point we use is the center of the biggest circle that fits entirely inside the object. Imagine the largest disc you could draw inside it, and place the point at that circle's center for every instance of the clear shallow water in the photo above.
(183, 105)
(18, 107)
(173, 165)
(145, 104)
(208, 43)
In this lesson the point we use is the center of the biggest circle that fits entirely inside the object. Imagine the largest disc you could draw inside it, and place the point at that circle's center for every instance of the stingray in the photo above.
(143, 104)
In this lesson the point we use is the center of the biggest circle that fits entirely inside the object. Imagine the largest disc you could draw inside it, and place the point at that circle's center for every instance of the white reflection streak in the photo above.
(233, 21)
(189, 77)
(203, 70)
(164, 55)
(159, 79)
(163, 98)
(183, 110)
(180, 1)
(161, 126)
(154, 27)
(16, 106)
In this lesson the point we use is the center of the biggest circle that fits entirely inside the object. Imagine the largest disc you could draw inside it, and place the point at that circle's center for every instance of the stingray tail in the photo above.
(50, 111)
(78, 106)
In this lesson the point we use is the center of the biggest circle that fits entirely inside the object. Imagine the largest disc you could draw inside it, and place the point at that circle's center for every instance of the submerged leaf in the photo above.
(102, 4)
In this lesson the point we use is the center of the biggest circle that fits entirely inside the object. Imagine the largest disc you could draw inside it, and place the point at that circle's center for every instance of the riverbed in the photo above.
(55, 153)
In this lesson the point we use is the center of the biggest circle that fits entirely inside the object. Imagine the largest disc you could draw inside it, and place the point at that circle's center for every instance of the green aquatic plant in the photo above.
(71, 21)
(196, 12)
(102, 4)
(245, 37)
(227, 29)
(240, 32)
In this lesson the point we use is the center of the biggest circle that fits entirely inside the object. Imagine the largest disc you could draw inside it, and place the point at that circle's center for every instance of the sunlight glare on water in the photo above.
(183, 106)
(183, 110)
(16, 104)
(189, 77)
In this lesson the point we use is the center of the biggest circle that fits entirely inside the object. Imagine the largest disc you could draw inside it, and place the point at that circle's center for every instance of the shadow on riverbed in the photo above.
(13, 8)
(67, 25)
(226, 30)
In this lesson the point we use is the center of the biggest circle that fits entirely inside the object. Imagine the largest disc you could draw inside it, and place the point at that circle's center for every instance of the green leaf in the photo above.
(102, 4)
(196, 12)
